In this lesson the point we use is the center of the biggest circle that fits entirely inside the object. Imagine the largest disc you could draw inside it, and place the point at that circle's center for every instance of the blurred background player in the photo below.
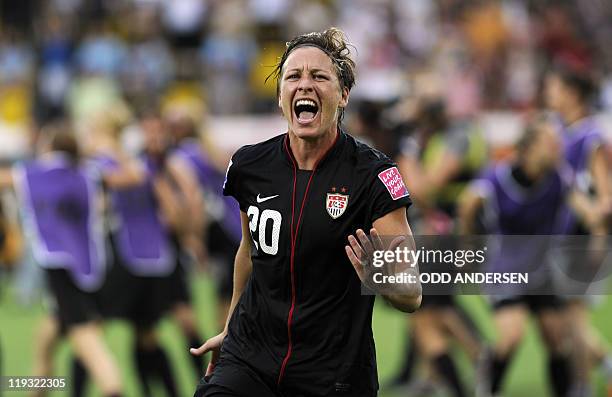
(568, 91)
(523, 197)
(222, 232)
(437, 161)
(140, 217)
(59, 201)
(184, 197)
(10, 250)
(186, 205)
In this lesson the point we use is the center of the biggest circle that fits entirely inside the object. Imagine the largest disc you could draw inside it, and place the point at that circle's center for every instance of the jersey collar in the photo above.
(331, 153)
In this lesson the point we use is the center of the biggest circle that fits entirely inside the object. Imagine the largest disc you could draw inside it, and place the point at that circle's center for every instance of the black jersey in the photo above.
(302, 323)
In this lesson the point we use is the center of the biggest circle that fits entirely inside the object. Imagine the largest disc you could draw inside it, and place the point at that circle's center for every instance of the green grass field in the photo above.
(526, 377)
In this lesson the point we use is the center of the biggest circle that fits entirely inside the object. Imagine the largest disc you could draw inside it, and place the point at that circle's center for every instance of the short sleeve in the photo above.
(388, 191)
(103, 164)
(230, 184)
(593, 142)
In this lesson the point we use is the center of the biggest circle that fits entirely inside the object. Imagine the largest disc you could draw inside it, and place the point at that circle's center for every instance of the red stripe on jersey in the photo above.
(294, 235)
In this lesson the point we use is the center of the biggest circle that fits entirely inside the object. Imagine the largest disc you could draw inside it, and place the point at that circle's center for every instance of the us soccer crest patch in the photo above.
(336, 204)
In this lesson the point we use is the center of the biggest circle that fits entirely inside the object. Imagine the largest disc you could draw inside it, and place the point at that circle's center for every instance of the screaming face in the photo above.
(310, 93)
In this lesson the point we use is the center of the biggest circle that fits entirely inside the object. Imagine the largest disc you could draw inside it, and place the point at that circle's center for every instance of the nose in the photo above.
(305, 83)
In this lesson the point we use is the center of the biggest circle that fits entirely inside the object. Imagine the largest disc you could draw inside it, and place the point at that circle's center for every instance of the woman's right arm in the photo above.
(242, 271)
(468, 205)
(242, 266)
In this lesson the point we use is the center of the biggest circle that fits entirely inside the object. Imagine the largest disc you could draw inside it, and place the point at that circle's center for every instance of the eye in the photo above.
(292, 76)
(320, 77)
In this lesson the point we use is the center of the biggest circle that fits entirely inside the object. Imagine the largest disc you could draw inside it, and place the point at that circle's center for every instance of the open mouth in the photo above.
(305, 110)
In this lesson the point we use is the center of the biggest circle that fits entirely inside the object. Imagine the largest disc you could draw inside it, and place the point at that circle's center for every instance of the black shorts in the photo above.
(175, 287)
(233, 379)
(222, 249)
(535, 303)
(132, 298)
(437, 301)
(214, 391)
(71, 305)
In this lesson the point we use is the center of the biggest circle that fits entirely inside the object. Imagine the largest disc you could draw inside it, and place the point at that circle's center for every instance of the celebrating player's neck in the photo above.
(307, 151)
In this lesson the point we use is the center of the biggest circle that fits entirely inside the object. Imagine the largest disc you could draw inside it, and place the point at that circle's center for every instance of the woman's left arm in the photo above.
(360, 251)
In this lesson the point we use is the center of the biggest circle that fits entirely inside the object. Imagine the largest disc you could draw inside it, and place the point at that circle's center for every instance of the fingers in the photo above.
(378, 243)
(212, 363)
(356, 248)
(197, 351)
(205, 348)
(362, 246)
(396, 242)
(352, 257)
(365, 241)
(209, 369)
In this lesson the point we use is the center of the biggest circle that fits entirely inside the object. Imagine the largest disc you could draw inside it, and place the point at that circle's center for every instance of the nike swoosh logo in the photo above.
(262, 199)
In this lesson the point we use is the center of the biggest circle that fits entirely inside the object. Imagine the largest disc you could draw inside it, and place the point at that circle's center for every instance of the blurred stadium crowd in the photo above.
(72, 56)
(153, 72)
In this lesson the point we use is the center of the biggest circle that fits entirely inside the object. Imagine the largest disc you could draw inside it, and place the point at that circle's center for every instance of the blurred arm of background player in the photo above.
(424, 185)
(583, 207)
(468, 205)
(600, 169)
(171, 209)
(6, 178)
(595, 212)
(129, 173)
(194, 219)
(242, 271)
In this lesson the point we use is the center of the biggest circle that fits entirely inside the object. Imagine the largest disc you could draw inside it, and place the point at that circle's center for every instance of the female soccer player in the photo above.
(222, 232)
(568, 91)
(141, 216)
(59, 199)
(438, 160)
(184, 196)
(299, 324)
(524, 197)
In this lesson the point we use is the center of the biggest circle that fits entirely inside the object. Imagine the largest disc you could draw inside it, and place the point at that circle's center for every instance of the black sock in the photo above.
(154, 363)
(79, 378)
(446, 368)
(468, 321)
(162, 364)
(144, 365)
(197, 361)
(499, 364)
(559, 373)
(410, 356)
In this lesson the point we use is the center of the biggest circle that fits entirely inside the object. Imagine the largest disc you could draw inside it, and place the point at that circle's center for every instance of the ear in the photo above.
(279, 97)
(345, 97)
